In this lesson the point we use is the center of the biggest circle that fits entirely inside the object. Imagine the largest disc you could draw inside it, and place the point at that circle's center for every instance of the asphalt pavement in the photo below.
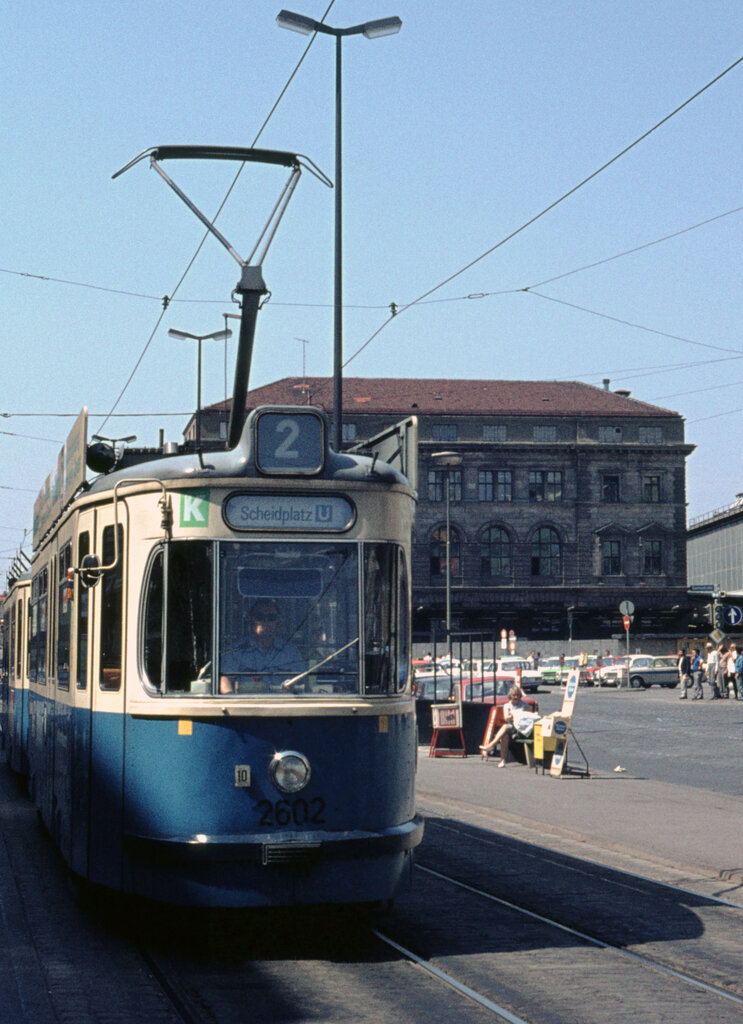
(666, 784)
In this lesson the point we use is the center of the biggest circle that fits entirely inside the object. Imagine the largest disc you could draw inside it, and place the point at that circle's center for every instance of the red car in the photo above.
(489, 690)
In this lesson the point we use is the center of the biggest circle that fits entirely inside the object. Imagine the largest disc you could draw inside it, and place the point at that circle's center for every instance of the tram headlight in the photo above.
(290, 771)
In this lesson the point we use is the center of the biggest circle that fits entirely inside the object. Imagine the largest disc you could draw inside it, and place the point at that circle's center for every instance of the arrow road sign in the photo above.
(733, 615)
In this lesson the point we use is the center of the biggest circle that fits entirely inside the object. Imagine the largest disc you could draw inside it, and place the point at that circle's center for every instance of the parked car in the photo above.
(494, 691)
(609, 674)
(552, 673)
(644, 670)
(507, 670)
(429, 687)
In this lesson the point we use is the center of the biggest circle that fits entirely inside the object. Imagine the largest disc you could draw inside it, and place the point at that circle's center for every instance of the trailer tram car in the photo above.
(15, 671)
(162, 761)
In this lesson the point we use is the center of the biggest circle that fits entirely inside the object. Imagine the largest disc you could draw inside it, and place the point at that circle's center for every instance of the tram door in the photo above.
(80, 689)
(106, 631)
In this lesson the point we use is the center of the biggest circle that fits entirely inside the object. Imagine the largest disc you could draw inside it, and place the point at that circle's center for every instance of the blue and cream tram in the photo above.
(163, 761)
(15, 671)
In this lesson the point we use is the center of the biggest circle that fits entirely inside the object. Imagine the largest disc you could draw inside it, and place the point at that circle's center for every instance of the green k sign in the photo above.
(195, 508)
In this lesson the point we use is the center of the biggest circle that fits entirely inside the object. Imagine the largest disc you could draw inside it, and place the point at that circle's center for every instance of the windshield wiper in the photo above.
(289, 684)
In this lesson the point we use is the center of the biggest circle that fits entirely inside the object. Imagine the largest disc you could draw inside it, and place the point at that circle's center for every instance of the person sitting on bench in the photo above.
(519, 721)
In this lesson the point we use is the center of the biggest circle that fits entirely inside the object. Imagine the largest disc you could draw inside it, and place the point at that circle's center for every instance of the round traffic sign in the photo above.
(627, 622)
(627, 608)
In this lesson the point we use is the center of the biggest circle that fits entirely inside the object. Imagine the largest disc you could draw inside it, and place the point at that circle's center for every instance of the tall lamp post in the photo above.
(448, 460)
(372, 30)
(186, 335)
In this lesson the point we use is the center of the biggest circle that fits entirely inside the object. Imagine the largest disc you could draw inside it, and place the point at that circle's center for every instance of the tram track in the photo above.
(583, 936)
(697, 950)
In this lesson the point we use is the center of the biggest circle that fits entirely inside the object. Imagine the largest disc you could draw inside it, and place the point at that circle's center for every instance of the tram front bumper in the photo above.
(277, 848)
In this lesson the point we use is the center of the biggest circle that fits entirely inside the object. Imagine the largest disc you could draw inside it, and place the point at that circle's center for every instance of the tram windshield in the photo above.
(292, 619)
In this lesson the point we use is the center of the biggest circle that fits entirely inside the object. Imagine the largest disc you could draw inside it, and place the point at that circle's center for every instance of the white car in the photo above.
(644, 670)
(530, 678)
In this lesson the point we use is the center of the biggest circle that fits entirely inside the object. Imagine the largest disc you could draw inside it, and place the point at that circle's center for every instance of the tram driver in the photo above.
(264, 661)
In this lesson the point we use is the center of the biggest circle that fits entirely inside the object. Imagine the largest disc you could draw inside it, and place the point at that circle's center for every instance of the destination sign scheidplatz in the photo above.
(328, 513)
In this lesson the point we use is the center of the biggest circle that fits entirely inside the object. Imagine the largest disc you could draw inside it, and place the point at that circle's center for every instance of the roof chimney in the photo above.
(606, 382)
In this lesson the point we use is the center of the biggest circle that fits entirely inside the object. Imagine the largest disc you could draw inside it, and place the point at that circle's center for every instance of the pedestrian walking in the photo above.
(684, 673)
(697, 671)
(712, 665)
(730, 687)
(722, 686)
(739, 675)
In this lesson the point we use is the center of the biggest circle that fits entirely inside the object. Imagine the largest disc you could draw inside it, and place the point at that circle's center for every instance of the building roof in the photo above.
(401, 396)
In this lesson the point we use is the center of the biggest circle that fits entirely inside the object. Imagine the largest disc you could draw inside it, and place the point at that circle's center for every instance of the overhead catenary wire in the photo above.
(425, 297)
(386, 305)
(549, 208)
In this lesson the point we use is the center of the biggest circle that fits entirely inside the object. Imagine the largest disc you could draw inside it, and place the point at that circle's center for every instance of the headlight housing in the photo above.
(290, 771)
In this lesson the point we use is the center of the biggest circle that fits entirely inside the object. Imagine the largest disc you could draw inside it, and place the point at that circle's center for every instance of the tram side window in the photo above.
(403, 621)
(188, 614)
(83, 596)
(111, 611)
(64, 618)
(188, 649)
(10, 626)
(38, 627)
(153, 622)
(385, 619)
(19, 637)
(7, 629)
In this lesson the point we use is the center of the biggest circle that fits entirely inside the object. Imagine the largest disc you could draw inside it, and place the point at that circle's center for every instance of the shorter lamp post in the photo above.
(186, 335)
(448, 460)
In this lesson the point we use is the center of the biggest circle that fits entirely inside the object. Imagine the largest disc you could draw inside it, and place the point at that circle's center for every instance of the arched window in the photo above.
(495, 552)
(438, 553)
(546, 556)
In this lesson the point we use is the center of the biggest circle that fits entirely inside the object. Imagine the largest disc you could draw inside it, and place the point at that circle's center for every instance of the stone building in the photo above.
(565, 500)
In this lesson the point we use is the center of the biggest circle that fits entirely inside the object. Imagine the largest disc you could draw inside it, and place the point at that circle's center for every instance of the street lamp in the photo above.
(186, 335)
(372, 30)
(448, 460)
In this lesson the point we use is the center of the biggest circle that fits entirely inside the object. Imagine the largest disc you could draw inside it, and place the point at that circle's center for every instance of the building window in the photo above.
(544, 435)
(610, 487)
(223, 430)
(650, 435)
(494, 432)
(503, 485)
(437, 484)
(444, 432)
(651, 489)
(438, 553)
(611, 558)
(652, 559)
(610, 435)
(546, 557)
(494, 486)
(545, 485)
(495, 553)
(348, 430)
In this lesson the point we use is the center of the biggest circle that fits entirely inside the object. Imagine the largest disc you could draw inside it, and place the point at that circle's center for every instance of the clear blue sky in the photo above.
(457, 132)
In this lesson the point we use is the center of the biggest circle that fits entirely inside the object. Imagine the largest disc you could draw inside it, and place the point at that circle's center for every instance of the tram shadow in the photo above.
(236, 935)
(478, 890)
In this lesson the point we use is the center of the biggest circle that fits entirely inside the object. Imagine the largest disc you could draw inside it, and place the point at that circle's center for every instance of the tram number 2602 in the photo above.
(292, 812)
